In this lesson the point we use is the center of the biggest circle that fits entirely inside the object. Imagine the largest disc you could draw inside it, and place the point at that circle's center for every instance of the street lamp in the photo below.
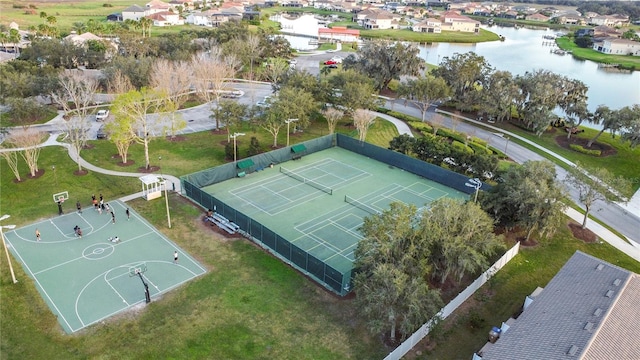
(6, 250)
(235, 144)
(289, 122)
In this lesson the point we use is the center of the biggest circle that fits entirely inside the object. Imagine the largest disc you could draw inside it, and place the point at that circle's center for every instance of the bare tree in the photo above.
(210, 72)
(131, 109)
(436, 122)
(119, 83)
(363, 119)
(11, 156)
(332, 115)
(172, 78)
(75, 96)
(28, 141)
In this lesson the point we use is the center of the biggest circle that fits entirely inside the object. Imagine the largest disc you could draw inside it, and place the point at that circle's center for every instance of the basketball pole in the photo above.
(6, 250)
(166, 200)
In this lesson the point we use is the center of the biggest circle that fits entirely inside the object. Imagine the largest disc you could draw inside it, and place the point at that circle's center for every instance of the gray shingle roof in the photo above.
(562, 321)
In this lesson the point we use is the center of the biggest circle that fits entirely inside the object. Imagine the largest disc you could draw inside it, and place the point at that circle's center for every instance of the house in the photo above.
(616, 46)
(80, 40)
(584, 32)
(606, 32)
(610, 20)
(211, 18)
(537, 17)
(134, 12)
(339, 33)
(373, 18)
(588, 311)
(429, 25)
(157, 6)
(165, 18)
(453, 21)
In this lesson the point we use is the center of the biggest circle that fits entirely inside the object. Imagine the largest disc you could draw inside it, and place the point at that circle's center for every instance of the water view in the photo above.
(523, 50)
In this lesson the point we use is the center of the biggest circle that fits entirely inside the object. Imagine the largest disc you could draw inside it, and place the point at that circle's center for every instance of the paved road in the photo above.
(625, 220)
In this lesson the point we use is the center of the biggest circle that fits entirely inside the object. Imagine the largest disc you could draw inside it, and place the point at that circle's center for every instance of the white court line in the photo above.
(17, 253)
(83, 257)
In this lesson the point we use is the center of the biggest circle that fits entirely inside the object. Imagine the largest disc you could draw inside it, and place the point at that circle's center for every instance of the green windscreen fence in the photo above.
(245, 164)
(298, 148)
(338, 281)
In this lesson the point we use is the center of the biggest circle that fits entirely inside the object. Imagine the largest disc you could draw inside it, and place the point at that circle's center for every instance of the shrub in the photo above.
(393, 85)
(479, 148)
(18, 6)
(580, 149)
(479, 141)
(420, 126)
(453, 135)
(461, 146)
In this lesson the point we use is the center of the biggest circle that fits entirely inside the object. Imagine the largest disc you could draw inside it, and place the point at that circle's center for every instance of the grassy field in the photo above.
(248, 306)
(446, 36)
(504, 294)
(625, 61)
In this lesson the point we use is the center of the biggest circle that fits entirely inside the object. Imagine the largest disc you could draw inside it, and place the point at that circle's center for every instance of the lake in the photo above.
(523, 50)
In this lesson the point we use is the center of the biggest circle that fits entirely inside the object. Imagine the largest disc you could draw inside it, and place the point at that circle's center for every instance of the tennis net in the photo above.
(307, 181)
(360, 205)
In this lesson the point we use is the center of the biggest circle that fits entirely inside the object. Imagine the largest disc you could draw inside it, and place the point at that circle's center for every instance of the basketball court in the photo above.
(107, 268)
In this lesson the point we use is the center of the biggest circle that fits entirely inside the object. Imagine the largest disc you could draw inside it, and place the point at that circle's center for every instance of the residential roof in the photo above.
(134, 8)
(586, 310)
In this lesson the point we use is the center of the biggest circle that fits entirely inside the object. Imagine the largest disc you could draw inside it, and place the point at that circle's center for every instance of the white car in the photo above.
(264, 102)
(102, 115)
(337, 59)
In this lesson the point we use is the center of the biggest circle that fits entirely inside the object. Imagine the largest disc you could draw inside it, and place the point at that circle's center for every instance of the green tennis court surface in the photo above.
(87, 279)
(319, 202)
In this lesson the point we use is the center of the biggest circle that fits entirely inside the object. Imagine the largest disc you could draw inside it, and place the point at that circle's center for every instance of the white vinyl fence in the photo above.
(415, 338)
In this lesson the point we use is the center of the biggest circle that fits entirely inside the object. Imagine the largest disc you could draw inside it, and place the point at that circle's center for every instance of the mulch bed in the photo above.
(148, 170)
(605, 150)
(585, 235)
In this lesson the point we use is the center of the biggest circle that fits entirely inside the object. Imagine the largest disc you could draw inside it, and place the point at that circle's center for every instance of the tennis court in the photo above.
(87, 279)
(319, 202)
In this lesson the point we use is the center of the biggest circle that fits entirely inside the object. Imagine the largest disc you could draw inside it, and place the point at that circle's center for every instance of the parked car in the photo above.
(102, 115)
(232, 94)
(102, 133)
(330, 62)
(337, 59)
(332, 66)
(264, 102)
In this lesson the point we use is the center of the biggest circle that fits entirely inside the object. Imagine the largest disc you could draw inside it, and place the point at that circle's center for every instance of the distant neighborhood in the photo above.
(604, 32)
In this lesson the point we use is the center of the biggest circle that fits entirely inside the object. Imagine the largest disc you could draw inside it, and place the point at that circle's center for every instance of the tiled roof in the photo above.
(134, 8)
(562, 321)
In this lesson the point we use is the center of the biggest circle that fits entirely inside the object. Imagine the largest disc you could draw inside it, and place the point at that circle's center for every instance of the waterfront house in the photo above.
(429, 25)
(537, 17)
(588, 311)
(379, 19)
(610, 20)
(453, 21)
(617, 46)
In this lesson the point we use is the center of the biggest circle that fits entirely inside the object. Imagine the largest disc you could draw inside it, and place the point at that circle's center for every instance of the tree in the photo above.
(132, 107)
(119, 83)
(275, 71)
(11, 157)
(392, 271)
(630, 118)
(499, 94)
(363, 119)
(528, 196)
(210, 72)
(231, 112)
(403, 144)
(424, 91)
(272, 123)
(597, 185)
(332, 115)
(293, 103)
(573, 101)
(465, 74)
(608, 119)
(75, 96)
(384, 61)
(541, 92)
(172, 78)
(352, 90)
(459, 236)
(28, 140)
(122, 134)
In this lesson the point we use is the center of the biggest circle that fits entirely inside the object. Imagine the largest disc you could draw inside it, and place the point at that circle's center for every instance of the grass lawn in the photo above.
(187, 156)
(445, 36)
(249, 305)
(624, 163)
(626, 61)
(504, 294)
